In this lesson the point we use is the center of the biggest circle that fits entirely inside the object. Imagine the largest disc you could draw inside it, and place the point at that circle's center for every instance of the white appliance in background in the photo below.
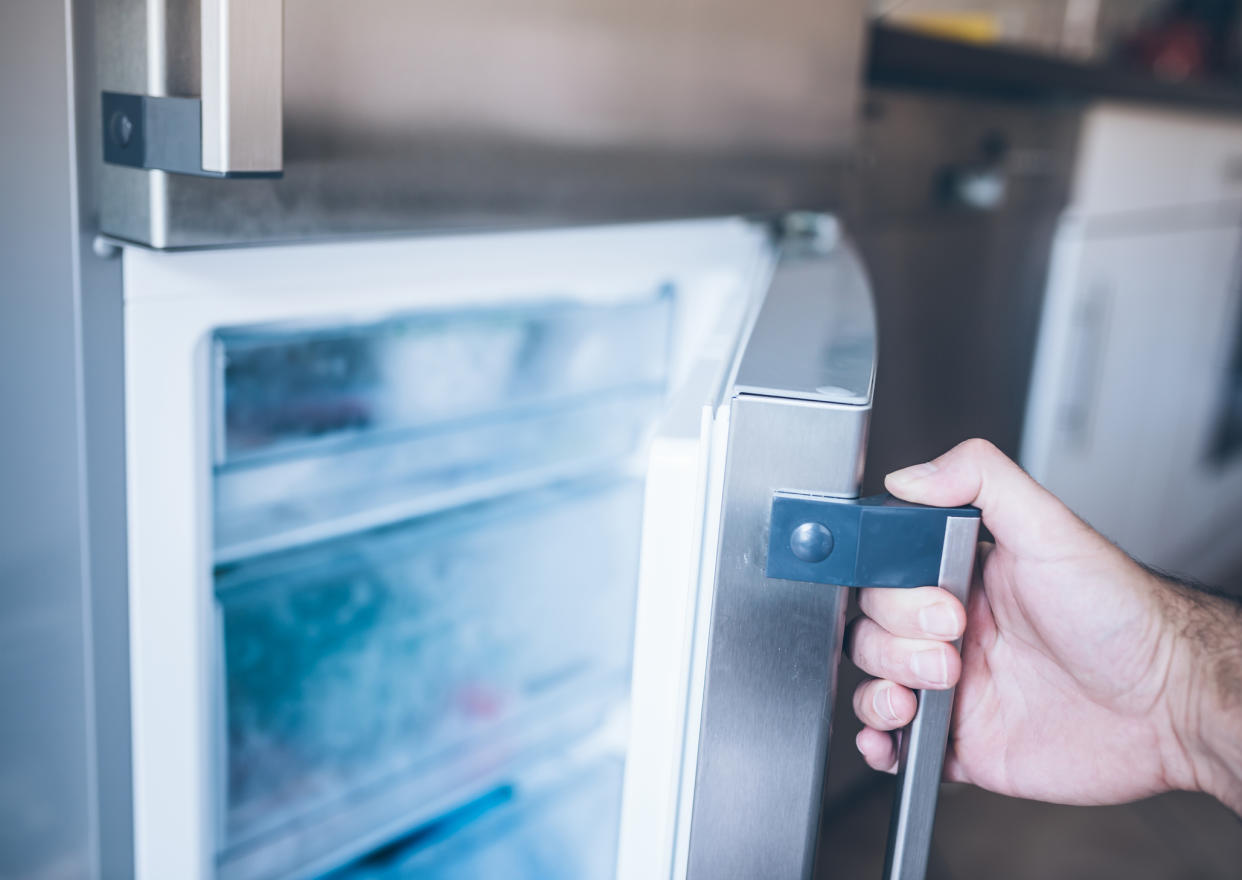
(1135, 389)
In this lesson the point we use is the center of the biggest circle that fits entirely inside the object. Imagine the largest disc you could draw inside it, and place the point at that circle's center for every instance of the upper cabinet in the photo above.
(1135, 158)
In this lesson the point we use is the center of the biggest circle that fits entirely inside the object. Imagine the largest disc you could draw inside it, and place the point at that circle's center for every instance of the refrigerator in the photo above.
(472, 355)
(386, 501)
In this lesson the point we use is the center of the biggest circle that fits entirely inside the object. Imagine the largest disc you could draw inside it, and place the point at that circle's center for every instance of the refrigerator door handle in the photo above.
(884, 542)
(243, 86)
(924, 743)
(236, 127)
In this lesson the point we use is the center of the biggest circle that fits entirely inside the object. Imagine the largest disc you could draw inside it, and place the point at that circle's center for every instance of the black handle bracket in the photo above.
(879, 541)
(158, 134)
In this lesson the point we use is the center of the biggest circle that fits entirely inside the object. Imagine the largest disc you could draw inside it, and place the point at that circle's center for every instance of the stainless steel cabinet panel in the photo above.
(958, 287)
(48, 816)
(482, 113)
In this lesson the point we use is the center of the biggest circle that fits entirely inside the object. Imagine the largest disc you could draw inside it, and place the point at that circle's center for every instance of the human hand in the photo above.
(1084, 678)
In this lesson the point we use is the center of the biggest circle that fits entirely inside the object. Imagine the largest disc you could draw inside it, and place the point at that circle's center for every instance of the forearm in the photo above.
(1206, 689)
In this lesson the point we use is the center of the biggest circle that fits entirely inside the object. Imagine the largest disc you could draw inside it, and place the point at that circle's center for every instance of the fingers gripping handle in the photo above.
(884, 542)
(923, 745)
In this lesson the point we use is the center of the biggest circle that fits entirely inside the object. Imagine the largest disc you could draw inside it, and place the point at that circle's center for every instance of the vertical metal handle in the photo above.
(242, 86)
(884, 542)
(923, 744)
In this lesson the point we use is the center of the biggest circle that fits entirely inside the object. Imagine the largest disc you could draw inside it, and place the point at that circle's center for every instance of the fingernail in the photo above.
(914, 473)
(931, 666)
(938, 619)
(882, 701)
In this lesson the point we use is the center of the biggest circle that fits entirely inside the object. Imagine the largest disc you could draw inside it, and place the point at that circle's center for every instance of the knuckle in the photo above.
(869, 649)
(875, 602)
(860, 701)
(955, 666)
(895, 611)
(862, 645)
(892, 654)
(977, 446)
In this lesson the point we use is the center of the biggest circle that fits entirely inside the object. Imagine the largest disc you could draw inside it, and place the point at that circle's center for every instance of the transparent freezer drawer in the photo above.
(565, 829)
(290, 389)
(329, 431)
(308, 498)
(368, 682)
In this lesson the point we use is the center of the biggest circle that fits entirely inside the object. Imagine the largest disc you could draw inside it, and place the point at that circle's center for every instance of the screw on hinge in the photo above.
(811, 542)
(120, 128)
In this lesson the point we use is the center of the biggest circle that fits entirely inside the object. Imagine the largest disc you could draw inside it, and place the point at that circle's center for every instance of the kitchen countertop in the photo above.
(904, 58)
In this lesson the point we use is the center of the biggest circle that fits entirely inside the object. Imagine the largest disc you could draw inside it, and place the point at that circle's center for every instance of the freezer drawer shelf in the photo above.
(322, 432)
(291, 390)
(553, 830)
(302, 500)
(434, 653)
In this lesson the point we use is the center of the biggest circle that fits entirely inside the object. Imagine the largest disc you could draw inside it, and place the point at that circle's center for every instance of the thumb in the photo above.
(1021, 514)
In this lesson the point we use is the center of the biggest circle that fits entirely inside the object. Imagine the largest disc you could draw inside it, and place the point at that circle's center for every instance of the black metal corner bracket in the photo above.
(869, 542)
(159, 134)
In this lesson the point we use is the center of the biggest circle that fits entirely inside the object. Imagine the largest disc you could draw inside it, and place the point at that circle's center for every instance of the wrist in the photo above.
(1204, 693)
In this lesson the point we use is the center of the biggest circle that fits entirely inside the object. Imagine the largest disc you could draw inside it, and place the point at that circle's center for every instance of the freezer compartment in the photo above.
(323, 431)
(564, 828)
(371, 684)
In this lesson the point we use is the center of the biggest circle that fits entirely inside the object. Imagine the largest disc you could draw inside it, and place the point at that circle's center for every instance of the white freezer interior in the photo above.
(328, 430)
(420, 522)
(426, 543)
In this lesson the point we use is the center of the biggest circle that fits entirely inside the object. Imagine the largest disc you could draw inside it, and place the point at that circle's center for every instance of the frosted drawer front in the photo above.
(288, 389)
(369, 679)
(327, 432)
(565, 830)
(307, 498)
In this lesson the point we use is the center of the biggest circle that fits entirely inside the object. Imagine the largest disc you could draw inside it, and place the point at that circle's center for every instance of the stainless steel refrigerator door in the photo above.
(734, 673)
(404, 116)
(781, 455)
(798, 418)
